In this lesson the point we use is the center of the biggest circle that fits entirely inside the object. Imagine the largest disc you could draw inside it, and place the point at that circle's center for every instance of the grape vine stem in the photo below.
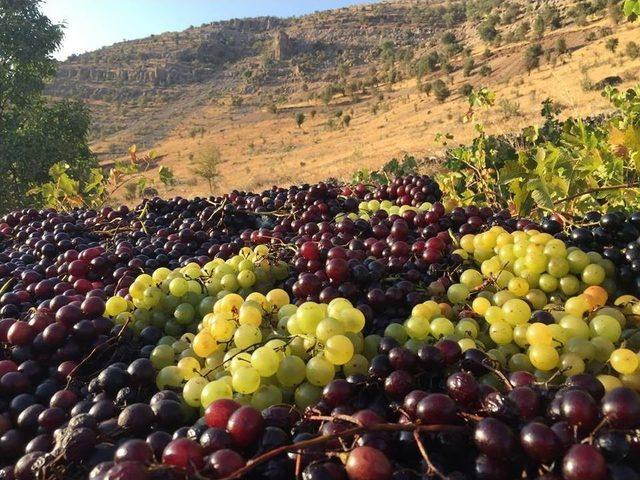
(622, 186)
(381, 427)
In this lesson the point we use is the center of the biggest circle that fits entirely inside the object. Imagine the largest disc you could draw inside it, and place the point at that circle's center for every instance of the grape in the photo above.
(368, 463)
(319, 371)
(338, 350)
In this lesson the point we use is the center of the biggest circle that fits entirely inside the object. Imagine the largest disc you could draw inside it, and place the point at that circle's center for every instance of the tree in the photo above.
(346, 120)
(207, 166)
(539, 27)
(440, 90)
(34, 134)
(487, 29)
(299, 119)
(466, 89)
(611, 44)
(561, 46)
(469, 65)
(532, 57)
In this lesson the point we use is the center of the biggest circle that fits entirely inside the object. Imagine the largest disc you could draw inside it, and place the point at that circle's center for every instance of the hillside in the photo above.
(238, 85)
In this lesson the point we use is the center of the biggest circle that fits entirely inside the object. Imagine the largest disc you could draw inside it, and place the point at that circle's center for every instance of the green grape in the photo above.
(544, 357)
(519, 362)
(624, 361)
(467, 328)
(307, 395)
(371, 343)
(291, 372)
(338, 350)
(583, 348)
(605, 326)
(116, 306)
(247, 335)
(162, 356)
(518, 286)
(352, 319)
(265, 360)
(245, 380)
(357, 365)
(206, 305)
(216, 390)
(555, 249)
(397, 332)
(319, 371)
(571, 364)
(329, 327)
(441, 327)
(520, 335)
(229, 282)
(222, 328)
(501, 332)
(558, 267)
(539, 334)
(569, 285)
(603, 348)
(266, 396)
(516, 311)
(193, 389)
(250, 314)
(184, 313)
(537, 298)
(458, 293)
(493, 314)
(593, 274)
(169, 377)
(578, 261)
(178, 287)
(576, 327)
(308, 316)
(204, 344)
(471, 278)
(501, 297)
(189, 367)
(536, 262)
(548, 283)
(417, 328)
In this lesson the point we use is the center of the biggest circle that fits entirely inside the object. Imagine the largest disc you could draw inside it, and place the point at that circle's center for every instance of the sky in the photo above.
(91, 24)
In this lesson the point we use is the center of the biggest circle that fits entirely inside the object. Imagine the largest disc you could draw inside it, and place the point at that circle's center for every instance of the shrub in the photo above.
(469, 65)
(632, 50)
(466, 89)
(207, 166)
(440, 90)
(611, 44)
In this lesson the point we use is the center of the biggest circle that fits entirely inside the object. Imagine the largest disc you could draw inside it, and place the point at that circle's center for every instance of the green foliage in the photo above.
(532, 57)
(34, 134)
(207, 166)
(299, 119)
(487, 29)
(394, 168)
(569, 166)
(631, 9)
(66, 190)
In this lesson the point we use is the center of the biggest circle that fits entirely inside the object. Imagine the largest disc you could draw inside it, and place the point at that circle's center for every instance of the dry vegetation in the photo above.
(260, 147)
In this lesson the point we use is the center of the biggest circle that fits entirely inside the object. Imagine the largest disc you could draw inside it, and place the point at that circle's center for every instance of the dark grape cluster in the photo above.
(78, 392)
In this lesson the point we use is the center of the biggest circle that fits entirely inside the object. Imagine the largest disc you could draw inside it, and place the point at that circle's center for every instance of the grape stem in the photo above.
(622, 186)
(381, 427)
(431, 469)
(111, 341)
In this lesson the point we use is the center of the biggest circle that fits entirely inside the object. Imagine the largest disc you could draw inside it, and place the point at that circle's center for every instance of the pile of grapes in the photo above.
(319, 332)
